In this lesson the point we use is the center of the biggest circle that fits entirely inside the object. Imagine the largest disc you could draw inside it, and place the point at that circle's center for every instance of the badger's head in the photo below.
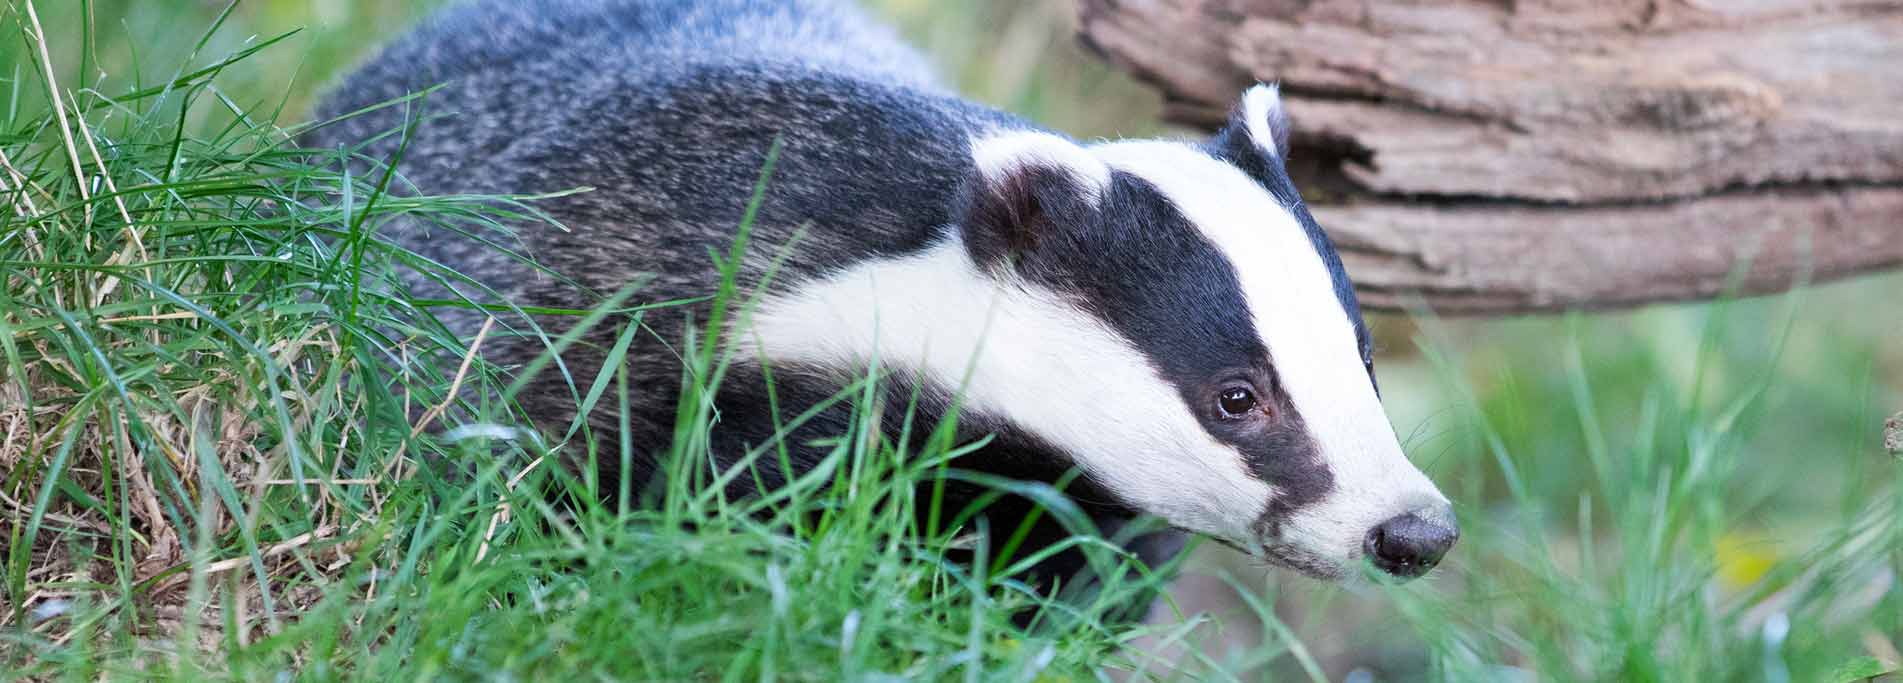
(1169, 317)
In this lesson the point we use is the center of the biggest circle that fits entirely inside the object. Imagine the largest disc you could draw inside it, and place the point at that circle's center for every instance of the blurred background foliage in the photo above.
(1747, 432)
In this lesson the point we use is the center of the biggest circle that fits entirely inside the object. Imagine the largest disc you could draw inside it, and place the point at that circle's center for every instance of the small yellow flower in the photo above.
(1743, 558)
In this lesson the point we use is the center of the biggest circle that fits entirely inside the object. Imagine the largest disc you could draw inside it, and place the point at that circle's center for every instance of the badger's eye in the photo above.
(1236, 402)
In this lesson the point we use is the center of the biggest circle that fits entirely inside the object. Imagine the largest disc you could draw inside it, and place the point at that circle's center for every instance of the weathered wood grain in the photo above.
(1510, 155)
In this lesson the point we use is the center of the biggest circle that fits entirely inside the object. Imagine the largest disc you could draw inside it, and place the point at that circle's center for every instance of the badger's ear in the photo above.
(1026, 188)
(1257, 126)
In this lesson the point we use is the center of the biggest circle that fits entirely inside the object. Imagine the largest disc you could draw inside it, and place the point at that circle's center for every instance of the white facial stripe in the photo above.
(1291, 295)
(1259, 107)
(1049, 368)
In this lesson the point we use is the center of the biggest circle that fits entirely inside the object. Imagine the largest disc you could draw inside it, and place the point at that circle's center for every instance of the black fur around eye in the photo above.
(1236, 402)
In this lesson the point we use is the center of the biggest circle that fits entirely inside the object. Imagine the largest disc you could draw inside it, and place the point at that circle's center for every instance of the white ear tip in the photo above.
(1262, 111)
(1001, 154)
(1264, 94)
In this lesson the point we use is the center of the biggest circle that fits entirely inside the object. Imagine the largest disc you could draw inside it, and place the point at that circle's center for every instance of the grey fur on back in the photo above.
(513, 67)
(667, 109)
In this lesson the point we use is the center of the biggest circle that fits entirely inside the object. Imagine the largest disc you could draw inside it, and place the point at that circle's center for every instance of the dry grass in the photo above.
(199, 351)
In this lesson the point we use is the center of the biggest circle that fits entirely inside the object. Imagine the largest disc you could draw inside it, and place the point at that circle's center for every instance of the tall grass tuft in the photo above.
(207, 378)
(1653, 564)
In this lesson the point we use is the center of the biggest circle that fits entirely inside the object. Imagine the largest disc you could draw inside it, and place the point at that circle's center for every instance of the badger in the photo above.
(1160, 325)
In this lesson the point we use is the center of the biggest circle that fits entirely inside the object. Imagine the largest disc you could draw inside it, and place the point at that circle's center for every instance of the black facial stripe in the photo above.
(1145, 270)
(1152, 276)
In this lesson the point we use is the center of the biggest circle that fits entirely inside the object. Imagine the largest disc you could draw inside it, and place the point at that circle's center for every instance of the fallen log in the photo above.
(1493, 156)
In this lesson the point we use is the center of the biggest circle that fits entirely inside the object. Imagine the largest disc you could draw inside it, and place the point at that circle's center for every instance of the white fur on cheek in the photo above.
(1040, 363)
(1291, 295)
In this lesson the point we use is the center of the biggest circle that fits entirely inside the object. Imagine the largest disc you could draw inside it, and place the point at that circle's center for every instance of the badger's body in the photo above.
(1096, 308)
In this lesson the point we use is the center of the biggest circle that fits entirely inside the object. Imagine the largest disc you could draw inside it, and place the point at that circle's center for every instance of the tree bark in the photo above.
(1518, 155)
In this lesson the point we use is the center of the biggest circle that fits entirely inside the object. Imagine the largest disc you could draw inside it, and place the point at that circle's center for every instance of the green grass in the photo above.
(235, 448)
(213, 469)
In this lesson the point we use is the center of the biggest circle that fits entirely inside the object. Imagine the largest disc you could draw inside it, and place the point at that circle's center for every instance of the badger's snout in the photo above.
(1409, 545)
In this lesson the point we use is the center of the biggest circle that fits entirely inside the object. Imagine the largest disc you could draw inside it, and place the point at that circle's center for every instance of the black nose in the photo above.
(1409, 545)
